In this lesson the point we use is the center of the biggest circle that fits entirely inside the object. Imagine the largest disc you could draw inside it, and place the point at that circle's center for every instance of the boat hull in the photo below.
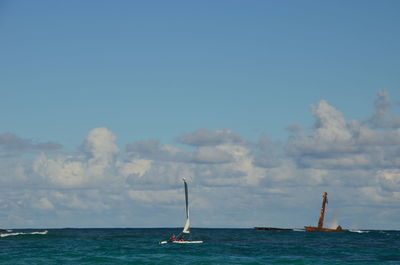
(273, 229)
(181, 242)
(317, 229)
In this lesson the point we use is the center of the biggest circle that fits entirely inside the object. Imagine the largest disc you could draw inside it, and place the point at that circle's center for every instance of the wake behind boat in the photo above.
(186, 229)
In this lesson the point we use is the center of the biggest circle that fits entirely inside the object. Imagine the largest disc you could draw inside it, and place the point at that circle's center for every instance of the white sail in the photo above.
(186, 228)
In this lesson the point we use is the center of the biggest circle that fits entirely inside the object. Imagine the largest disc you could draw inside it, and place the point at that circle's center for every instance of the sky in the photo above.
(261, 105)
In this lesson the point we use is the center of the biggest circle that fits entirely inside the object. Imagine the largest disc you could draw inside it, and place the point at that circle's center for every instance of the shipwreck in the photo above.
(320, 227)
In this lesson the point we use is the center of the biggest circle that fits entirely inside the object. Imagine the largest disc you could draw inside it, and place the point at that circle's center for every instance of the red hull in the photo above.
(316, 229)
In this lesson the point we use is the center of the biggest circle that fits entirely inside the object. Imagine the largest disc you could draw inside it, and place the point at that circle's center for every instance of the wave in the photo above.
(24, 233)
(358, 231)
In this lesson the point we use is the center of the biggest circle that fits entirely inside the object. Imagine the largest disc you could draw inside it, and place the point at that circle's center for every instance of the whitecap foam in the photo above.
(358, 231)
(22, 233)
(40, 233)
(10, 234)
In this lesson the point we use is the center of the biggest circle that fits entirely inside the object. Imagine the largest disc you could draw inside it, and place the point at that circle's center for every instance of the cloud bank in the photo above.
(233, 182)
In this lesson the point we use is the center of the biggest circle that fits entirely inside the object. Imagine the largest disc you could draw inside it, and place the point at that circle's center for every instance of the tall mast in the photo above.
(186, 228)
(321, 217)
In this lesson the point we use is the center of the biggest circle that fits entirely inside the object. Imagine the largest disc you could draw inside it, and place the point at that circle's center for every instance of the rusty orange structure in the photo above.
(320, 227)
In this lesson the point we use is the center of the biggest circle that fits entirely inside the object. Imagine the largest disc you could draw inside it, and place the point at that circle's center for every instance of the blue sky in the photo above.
(137, 94)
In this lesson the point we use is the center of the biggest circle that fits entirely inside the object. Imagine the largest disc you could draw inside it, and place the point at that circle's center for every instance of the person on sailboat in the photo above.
(181, 238)
(172, 239)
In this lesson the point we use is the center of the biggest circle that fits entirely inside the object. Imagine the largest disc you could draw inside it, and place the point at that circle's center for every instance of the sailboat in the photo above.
(186, 228)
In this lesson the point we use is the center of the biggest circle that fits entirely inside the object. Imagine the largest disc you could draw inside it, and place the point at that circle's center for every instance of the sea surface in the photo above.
(222, 246)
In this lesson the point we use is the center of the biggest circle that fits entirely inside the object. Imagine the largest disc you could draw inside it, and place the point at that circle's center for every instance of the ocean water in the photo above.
(222, 246)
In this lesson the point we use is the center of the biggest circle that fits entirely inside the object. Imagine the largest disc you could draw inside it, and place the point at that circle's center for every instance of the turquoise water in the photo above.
(222, 246)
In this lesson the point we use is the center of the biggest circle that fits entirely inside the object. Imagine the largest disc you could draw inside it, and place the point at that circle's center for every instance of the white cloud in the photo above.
(137, 167)
(61, 171)
(382, 118)
(12, 144)
(204, 137)
(236, 182)
(211, 154)
(390, 179)
(337, 143)
(330, 123)
(158, 196)
(79, 171)
(44, 204)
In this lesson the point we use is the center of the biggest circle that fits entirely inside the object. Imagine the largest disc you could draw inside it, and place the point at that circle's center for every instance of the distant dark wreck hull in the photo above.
(273, 229)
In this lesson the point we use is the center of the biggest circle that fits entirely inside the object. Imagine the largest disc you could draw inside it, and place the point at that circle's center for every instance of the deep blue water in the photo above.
(222, 246)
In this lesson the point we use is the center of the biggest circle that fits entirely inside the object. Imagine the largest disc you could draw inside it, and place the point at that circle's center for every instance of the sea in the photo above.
(221, 246)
